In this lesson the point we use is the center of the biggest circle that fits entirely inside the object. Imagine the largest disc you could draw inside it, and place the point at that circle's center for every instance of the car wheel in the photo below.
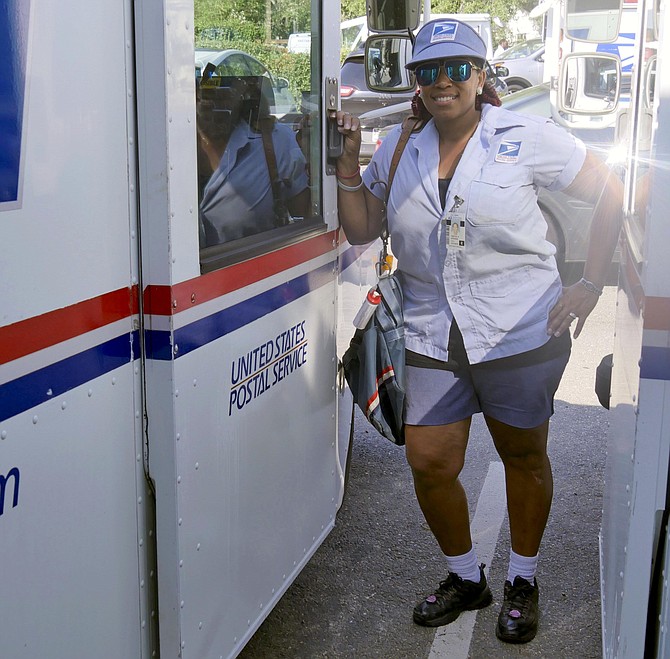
(556, 238)
(516, 86)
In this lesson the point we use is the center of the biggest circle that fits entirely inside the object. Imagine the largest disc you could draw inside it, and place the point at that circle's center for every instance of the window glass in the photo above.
(256, 103)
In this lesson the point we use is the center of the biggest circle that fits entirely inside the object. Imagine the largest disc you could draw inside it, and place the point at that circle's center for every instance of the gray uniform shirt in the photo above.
(501, 285)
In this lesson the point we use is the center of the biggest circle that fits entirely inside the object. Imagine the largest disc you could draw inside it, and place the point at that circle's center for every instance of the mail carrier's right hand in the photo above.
(350, 128)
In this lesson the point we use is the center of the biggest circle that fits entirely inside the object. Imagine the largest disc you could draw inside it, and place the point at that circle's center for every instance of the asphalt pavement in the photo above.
(355, 597)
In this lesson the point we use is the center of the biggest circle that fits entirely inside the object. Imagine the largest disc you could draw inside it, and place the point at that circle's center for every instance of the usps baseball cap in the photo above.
(446, 37)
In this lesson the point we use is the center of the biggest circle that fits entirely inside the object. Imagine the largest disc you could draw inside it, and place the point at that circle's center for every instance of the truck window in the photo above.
(259, 161)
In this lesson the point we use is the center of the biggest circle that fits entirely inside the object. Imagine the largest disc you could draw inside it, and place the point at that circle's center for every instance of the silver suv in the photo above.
(525, 63)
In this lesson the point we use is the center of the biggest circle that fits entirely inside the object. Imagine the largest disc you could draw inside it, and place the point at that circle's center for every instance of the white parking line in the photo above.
(453, 641)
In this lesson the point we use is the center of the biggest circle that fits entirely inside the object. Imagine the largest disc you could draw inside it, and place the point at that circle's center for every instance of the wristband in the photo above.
(354, 175)
(349, 188)
(591, 287)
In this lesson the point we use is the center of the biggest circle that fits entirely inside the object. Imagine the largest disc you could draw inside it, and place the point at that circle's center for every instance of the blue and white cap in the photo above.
(446, 37)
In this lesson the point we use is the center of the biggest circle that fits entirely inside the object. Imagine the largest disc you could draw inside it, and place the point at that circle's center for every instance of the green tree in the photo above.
(352, 9)
(504, 10)
(252, 19)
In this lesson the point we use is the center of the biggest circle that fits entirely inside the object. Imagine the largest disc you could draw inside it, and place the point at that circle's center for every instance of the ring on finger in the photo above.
(573, 315)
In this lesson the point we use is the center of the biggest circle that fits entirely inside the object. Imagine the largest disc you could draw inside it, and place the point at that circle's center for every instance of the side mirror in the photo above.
(385, 59)
(589, 84)
(596, 22)
(501, 71)
(400, 15)
(282, 83)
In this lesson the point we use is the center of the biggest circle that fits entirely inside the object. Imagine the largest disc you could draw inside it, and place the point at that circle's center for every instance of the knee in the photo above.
(428, 467)
(532, 462)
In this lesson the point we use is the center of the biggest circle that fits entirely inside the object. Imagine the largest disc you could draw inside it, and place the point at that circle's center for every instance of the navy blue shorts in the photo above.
(518, 395)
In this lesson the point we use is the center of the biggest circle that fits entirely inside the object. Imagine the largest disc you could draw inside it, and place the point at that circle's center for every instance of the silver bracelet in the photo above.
(591, 287)
(349, 188)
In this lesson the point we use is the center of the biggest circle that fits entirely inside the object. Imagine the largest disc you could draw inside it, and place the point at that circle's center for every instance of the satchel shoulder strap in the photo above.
(266, 126)
(410, 125)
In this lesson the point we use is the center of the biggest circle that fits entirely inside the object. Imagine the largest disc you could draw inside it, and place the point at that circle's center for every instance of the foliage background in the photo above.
(261, 27)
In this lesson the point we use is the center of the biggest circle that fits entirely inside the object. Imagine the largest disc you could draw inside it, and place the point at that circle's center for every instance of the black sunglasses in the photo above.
(457, 71)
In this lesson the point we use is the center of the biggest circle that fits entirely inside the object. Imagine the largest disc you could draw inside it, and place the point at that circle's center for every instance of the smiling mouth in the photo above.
(444, 98)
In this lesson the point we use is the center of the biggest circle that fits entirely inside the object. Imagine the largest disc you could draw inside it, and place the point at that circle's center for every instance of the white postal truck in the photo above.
(173, 424)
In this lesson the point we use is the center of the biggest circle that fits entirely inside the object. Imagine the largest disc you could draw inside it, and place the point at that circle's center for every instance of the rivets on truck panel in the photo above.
(35, 419)
(63, 405)
(3, 434)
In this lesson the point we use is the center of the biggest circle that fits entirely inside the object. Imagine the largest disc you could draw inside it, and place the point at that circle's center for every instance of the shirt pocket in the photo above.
(500, 195)
(508, 301)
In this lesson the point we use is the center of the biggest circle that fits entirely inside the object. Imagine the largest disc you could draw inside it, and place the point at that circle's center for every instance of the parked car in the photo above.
(525, 64)
(568, 219)
(238, 63)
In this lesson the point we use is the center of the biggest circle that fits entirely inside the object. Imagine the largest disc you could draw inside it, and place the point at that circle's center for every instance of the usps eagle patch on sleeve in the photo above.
(444, 31)
(508, 151)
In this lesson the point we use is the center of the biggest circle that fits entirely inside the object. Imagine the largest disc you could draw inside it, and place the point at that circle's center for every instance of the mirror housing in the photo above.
(400, 15)
(385, 59)
(589, 84)
(600, 25)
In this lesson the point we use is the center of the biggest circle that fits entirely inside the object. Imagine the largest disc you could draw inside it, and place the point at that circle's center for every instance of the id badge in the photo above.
(455, 225)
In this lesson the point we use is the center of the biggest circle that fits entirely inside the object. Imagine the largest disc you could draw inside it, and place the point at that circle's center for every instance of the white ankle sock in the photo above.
(522, 566)
(465, 566)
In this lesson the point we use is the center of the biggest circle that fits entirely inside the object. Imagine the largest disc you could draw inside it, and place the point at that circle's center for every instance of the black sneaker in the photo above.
(517, 622)
(454, 596)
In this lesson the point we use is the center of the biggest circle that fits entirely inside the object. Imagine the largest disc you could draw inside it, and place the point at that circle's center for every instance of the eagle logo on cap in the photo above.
(444, 31)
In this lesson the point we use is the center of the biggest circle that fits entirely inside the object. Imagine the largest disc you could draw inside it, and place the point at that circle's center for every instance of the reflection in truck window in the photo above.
(252, 172)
